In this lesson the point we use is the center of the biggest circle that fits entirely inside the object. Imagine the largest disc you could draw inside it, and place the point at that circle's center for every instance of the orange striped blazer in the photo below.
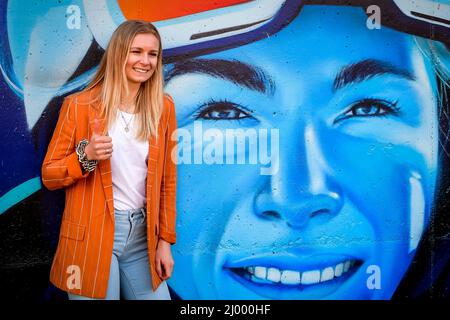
(82, 260)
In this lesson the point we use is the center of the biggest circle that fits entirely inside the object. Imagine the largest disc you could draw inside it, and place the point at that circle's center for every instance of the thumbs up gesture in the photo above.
(100, 146)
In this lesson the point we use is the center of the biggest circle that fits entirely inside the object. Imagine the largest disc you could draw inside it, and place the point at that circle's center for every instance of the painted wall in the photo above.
(313, 150)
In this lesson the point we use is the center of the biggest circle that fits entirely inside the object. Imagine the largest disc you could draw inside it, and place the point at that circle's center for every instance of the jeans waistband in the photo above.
(131, 213)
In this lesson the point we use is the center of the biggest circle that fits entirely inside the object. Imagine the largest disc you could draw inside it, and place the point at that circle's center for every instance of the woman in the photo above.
(110, 151)
(358, 113)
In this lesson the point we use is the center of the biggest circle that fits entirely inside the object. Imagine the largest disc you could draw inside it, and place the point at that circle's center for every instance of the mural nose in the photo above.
(297, 210)
(303, 187)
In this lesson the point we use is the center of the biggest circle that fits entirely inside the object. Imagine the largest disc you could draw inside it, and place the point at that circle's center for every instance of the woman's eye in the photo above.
(370, 108)
(221, 110)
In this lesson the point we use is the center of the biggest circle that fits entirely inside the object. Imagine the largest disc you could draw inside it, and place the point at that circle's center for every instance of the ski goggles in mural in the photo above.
(197, 27)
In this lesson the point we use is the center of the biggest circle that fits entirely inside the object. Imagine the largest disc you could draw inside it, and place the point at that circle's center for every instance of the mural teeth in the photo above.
(258, 280)
(338, 270)
(260, 272)
(346, 266)
(327, 274)
(274, 275)
(311, 277)
(290, 277)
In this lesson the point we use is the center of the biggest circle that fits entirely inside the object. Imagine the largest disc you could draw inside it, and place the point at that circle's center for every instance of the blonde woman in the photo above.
(111, 152)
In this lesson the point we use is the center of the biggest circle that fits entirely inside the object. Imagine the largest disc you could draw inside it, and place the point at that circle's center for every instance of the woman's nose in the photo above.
(303, 188)
(145, 59)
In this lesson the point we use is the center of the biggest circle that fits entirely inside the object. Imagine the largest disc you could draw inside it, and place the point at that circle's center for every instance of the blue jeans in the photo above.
(130, 272)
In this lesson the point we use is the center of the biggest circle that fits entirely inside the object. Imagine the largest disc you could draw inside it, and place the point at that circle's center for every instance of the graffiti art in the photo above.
(313, 138)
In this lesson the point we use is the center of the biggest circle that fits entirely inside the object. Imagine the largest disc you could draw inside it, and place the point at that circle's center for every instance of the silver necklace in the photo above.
(127, 128)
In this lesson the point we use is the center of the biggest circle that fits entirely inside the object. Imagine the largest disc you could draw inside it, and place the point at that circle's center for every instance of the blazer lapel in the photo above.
(104, 166)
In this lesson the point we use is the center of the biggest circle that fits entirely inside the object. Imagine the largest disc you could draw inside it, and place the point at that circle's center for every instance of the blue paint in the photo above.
(19, 193)
(346, 156)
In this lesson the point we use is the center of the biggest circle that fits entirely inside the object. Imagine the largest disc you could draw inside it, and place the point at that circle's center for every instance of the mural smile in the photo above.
(266, 276)
(292, 277)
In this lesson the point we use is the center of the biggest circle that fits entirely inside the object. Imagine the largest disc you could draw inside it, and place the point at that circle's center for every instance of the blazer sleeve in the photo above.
(61, 167)
(167, 208)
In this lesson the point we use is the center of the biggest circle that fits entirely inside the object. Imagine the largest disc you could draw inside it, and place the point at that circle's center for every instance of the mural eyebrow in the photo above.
(235, 71)
(367, 69)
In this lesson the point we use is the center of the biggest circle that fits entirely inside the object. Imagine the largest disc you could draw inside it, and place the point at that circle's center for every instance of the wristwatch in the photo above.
(88, 165)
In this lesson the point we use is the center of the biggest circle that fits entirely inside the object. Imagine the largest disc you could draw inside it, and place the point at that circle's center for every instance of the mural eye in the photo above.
(222, 110)
(370, 108)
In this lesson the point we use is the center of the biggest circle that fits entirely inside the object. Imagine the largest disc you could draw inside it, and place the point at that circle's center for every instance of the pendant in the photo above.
(126, 129)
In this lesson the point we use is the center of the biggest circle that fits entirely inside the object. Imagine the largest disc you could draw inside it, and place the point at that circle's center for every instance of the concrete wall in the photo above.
(313, 148)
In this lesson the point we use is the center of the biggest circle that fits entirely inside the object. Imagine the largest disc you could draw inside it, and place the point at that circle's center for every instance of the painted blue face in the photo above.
(354, 179)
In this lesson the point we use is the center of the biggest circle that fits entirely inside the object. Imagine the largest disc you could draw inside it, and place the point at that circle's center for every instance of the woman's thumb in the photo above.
(97, 127)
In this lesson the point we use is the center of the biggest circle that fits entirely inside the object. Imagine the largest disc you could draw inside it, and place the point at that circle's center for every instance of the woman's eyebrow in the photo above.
(367, 69)
(235, 71)
(139, 48)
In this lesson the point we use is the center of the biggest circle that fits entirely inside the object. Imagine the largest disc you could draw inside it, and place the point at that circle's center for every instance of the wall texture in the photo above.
(313, 155)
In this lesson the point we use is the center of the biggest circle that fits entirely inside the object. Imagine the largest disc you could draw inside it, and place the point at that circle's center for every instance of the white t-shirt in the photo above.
(128, 163)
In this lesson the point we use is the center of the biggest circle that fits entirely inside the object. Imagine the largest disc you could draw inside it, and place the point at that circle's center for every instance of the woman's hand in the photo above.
(99, 147)
(164, 260)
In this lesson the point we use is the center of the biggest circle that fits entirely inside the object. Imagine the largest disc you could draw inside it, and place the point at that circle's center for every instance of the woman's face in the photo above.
(142, 58)
(355, 163)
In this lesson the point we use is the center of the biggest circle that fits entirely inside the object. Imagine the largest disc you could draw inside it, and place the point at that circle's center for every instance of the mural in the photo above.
(313, 142)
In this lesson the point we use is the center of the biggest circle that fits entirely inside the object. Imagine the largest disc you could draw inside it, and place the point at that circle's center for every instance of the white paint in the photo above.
(417, 211)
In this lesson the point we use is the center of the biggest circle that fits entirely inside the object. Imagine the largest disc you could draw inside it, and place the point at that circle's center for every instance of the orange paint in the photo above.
(157, 10)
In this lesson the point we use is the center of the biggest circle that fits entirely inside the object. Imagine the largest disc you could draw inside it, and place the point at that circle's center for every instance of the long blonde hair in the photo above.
(112, 79)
